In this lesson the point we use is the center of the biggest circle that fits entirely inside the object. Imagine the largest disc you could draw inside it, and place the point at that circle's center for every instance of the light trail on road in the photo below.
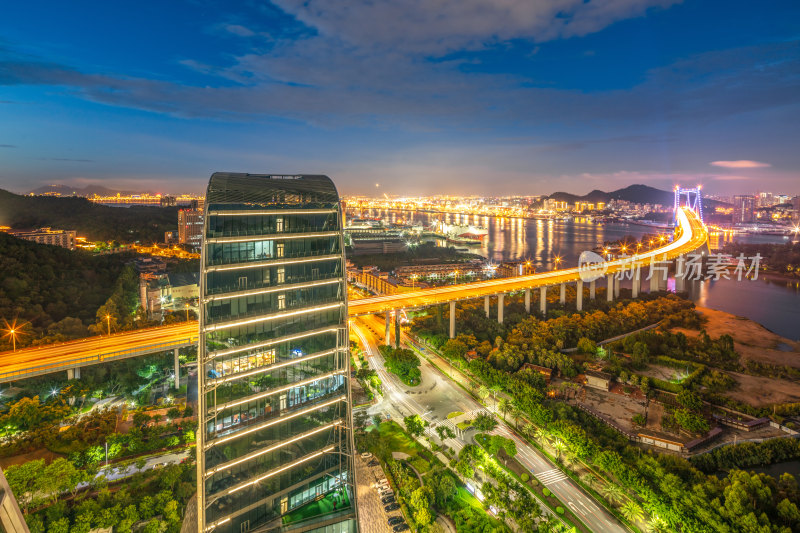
(691, 234)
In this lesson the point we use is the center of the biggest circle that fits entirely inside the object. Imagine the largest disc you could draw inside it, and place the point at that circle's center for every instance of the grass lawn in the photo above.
(455, 414)
(398, 440)
(465, 425)
(319, 507)
(465, 498)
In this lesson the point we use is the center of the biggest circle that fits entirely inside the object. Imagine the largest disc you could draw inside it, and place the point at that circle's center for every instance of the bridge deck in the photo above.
(29, 362)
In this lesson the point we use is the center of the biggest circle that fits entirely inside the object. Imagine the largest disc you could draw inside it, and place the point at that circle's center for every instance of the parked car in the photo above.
(387, 499)
(366, 455)
(387, 492)
(373, 462)
(392, 507)
(401, 527)
(394, 520)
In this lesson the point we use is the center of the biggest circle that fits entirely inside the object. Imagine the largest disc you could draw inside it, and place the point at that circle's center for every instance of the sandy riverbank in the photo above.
(752, 340)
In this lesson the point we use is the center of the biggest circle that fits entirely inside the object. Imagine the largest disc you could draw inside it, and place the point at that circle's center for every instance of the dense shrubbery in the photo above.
(57, 292)
(152, 501)
(403, 363)
(41, 427)
(748, 454)
(783, 258)
(718, 352)
(665, 486)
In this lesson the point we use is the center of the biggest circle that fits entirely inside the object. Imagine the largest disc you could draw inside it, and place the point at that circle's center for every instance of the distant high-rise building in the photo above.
(275, 441)
(796, 208)
(62, 238)
(190, 226)
(744, 209)
(766, 199)
(168, 201)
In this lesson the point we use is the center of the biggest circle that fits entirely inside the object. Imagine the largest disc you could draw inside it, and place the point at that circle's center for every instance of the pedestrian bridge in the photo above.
(690, 235)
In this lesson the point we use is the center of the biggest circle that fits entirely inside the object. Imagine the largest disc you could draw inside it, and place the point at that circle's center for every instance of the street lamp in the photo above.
(187, 312)
(108, 321)
(12, 330)
(558, 260)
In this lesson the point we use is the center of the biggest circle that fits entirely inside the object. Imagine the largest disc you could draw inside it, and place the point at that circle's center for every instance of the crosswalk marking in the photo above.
(548, 477)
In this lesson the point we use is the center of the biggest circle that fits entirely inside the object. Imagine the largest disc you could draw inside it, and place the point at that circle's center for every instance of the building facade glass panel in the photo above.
(275, 430)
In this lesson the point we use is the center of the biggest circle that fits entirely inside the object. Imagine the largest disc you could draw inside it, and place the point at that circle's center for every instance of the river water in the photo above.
(774, 304)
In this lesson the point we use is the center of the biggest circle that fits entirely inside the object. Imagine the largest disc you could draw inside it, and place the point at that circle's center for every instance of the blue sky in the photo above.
(419, 96)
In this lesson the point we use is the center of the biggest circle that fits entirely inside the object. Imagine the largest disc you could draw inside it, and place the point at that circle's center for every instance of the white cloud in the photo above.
(439, 26)
(239, 30)
(740, 163)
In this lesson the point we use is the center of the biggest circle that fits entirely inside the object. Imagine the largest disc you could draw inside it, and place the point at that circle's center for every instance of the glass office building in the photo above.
(275, 435)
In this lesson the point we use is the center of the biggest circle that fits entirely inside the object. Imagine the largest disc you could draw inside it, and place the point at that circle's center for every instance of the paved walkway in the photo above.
(371, 516)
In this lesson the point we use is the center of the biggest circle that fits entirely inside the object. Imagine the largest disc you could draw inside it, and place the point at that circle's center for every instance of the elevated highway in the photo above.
(690, 235)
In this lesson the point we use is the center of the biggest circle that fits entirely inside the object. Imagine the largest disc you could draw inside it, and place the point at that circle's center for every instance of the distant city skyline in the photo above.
(420, 98)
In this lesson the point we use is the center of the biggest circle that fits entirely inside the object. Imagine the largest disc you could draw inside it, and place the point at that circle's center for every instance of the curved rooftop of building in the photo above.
(257, 191)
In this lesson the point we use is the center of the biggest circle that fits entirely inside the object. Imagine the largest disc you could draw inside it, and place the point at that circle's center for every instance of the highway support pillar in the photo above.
(610, 287)
(579, 295)
(528, 301)
(662, 281)
(397, 313)
(500, 305)
(177, 362)
(680, 274)
(592, 288)
(486, 305)
(453, 320)
(562, 296)
(543, 300)
(653, 280)
(637, 282)
(617, 283)
(74, 373)
(387, 338)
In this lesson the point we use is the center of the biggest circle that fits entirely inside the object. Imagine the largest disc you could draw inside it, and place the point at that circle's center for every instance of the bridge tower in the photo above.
(691, 198)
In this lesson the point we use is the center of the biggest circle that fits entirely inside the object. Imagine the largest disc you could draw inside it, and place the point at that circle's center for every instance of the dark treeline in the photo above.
(93, 221)
(783, 258)
(54, 291)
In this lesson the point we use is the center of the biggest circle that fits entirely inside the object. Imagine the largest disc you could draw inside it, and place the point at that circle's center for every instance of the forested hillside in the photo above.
(58, 292)
(94, 221)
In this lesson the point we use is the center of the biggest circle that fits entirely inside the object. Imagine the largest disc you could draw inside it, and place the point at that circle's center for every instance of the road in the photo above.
(114, 473)
(691, 235)
(92, 350)
(445, 397)
(438, 395)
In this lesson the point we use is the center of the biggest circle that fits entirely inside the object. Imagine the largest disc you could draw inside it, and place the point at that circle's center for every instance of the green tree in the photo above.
(632, 511)
(24, 481)
(484, 392)
(613, 493)
(689, 400)
(444, 488)
(484, 422)
(59, 526)
(423, 517)
(415, 424)
(587, 346)
(454, 348)
(504, 406)
(60, 476)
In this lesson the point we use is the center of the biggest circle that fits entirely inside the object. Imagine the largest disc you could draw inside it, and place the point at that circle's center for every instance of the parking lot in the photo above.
(371, 515)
